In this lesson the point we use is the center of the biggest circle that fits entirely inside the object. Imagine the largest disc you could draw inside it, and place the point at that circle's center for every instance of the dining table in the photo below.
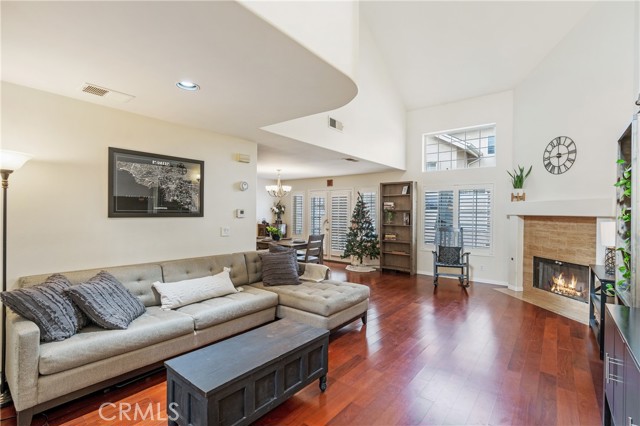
(296, 244)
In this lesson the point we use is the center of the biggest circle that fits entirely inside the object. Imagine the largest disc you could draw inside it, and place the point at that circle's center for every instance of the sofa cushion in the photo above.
(222, 309)
(48, 306)
(174, 295)
(254, 266)
(94, 343)
(198, 267)
(324, 298)
(138, 279)
(279, 269)
(106, 301)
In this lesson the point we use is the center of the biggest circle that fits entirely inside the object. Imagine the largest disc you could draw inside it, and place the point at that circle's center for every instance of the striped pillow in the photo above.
(48, 306)
(279, 269)
(106, 301)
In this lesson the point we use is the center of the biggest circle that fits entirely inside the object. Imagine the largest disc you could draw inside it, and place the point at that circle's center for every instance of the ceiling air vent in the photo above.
(94, 90)
(335, 124)
(105, 93)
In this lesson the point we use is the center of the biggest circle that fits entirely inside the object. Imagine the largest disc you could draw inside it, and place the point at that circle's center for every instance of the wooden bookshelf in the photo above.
(397, 226)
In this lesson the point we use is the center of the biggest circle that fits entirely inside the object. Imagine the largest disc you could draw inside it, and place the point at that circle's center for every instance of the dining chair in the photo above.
(314, 252)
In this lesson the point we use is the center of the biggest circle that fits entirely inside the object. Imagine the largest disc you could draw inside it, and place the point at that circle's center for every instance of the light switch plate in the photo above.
(225, 231)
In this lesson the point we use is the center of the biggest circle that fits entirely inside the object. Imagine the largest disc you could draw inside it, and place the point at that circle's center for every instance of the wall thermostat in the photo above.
(244, 185)
(240, 213)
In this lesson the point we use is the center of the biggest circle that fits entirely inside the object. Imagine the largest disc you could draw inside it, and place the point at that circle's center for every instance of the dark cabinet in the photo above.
(631, 389)
(621, 372)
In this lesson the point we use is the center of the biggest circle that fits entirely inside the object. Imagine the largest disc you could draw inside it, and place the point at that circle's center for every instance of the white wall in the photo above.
(264, 201)
(487, 109)
(585, 89)
(496, 108)
(374, 122)
(327, 28)
(58, 201)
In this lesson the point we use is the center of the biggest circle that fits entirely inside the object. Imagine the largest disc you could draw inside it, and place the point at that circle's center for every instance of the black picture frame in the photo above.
(142, 184)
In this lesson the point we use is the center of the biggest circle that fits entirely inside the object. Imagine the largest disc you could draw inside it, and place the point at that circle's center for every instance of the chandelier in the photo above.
(278, 190)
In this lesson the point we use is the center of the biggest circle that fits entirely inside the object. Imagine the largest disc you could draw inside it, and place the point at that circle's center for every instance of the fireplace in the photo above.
(563, 278)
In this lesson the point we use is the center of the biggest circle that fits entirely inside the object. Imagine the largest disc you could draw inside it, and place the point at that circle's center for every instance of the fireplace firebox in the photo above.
(562, 278)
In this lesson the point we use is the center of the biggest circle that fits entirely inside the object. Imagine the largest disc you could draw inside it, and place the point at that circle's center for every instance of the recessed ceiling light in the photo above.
(187, 85)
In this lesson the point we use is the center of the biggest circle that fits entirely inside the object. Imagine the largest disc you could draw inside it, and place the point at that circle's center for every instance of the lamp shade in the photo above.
(608, 233)
(12, 160)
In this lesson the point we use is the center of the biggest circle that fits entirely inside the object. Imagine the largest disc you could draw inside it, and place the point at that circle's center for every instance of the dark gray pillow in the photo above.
(279, 269)
(449, 255)
(61, 283)
(48, 306)
(106, 301)
(275, 248)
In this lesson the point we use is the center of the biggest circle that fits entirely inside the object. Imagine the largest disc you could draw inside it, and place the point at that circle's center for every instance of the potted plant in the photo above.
(278, 210)
(275, 233)
(517, 180)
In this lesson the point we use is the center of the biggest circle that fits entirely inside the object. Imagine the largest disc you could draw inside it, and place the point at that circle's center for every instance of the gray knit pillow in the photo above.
(48, 306)
(106, 301)
(275, 248)
(279, 269)
(61, 283)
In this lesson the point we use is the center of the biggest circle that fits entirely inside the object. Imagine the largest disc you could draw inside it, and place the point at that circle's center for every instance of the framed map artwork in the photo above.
(152, 185)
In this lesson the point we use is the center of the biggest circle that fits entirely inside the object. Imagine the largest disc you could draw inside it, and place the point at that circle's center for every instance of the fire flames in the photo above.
(566, 287)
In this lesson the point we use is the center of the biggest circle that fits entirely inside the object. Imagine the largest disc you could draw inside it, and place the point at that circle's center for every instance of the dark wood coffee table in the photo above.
(238, 380)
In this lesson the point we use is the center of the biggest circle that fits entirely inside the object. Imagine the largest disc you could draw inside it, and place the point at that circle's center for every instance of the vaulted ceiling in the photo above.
(251, 75)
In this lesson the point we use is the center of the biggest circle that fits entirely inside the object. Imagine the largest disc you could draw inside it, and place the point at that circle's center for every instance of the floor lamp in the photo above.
(10, 161)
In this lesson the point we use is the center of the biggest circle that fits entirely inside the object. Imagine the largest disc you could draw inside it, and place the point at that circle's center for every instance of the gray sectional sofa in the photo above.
(43, 375)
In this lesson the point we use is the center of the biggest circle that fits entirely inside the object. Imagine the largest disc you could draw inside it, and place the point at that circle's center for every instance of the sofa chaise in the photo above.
(43, 375)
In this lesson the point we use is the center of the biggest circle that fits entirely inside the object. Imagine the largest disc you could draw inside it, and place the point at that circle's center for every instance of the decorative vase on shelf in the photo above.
(275, 237)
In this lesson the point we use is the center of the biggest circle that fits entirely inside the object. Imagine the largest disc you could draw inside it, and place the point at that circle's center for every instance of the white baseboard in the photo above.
(475, 280)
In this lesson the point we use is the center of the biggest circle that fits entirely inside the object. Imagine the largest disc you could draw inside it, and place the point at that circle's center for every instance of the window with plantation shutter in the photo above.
(297, 214)
(317, 214)
(340, 222)
(474, 217)
(438, 211)
(467, 208)
(370, 199)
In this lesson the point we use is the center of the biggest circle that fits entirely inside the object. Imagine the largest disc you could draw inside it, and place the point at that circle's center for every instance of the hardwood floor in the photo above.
(426, 356)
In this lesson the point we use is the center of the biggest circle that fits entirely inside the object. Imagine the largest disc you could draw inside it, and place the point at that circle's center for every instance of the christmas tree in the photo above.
(362, 239)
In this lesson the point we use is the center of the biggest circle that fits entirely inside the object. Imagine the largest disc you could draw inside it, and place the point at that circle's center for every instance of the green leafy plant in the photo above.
(624, 184)
(518, 176)
(272, 230)
(608, 290)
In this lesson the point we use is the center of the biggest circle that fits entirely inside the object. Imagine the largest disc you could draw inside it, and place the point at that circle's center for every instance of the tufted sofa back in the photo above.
(138, 279)
(197, 267)
(246, 268)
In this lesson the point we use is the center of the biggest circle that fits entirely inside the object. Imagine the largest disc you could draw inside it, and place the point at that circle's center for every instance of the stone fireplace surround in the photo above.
(566, 238)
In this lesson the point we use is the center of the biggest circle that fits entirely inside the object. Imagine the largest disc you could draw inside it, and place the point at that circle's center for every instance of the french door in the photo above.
(331, 215)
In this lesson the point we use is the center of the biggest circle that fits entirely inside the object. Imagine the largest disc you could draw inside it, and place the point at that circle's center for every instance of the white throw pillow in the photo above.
(180, 293)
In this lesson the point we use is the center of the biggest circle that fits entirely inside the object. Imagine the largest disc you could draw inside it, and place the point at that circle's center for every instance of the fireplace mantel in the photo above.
(594, 207)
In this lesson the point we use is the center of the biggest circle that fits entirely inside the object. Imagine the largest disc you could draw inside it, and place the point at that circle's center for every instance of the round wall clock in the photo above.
(244, 185)
(559, 155)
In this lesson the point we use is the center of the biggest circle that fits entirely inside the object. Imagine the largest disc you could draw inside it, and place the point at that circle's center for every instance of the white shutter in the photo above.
(317, 214)
(340, 221)
(297, 214)
(438, 211)
(474, 217)
(370, 199)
